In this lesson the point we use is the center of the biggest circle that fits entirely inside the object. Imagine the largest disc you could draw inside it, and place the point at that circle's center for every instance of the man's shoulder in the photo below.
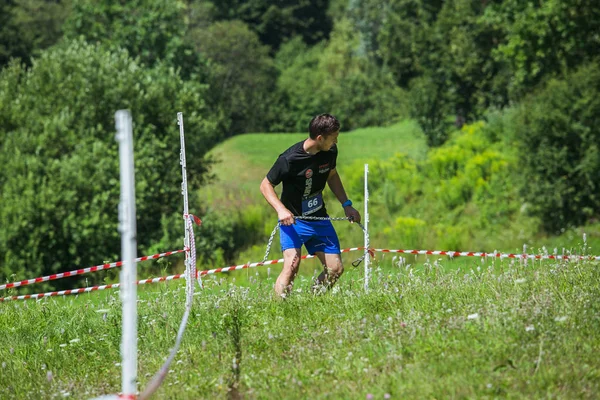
(293, 151)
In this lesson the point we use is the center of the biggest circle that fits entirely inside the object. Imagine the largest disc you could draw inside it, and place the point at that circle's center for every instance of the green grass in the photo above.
(244, 160)
(503, 330)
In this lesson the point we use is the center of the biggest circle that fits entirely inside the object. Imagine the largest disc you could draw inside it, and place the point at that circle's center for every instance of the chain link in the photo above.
(270, 242)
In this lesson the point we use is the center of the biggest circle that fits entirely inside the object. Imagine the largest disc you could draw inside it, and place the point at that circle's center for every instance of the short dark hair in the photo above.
(323, 124)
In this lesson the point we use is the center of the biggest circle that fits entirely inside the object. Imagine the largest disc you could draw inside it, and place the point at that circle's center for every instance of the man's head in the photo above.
(324, 129)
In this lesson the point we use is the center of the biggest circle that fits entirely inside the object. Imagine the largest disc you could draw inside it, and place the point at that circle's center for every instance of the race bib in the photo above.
(312, 204)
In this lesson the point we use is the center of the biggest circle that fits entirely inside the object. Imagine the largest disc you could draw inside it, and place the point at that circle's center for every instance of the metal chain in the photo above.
(270, 242)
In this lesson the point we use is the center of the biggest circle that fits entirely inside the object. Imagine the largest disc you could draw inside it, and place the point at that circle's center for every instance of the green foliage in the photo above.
(543, 38)
(60, 181)
(466, 40)
(241, 74)
(431, 107)
(333, 77)
(277, 22)
(461, 196)
(226, 231)
(558, 135)
(29, 26)
(395, 33)
(152, 30)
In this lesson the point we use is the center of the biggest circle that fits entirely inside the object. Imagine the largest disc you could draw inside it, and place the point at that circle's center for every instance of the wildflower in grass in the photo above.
(62, 345)
(529, 328)
(561, 319)
(49, 376)
(520, 280)
(473, 316)
(74, 340)
(369, 396)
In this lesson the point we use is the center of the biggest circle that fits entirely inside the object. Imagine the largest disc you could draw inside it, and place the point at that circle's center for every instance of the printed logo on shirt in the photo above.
(308, 187)
(323, 168)
(308, 173)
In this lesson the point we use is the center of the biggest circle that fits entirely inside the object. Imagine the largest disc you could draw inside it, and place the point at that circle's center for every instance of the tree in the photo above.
(59, 182)
(277, 22)
(29, 26)
(332, 77)
(152, 30)
(241, 74)
(558, 134)
(544, 38)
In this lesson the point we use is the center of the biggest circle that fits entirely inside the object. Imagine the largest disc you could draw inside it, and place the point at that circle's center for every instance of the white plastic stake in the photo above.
(366, 225)
(186, 241)
(184, 191)
(127, 227)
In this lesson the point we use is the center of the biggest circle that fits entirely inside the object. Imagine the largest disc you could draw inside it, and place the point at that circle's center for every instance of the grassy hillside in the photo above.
(244, 160)
(455, 197)
(239, 220)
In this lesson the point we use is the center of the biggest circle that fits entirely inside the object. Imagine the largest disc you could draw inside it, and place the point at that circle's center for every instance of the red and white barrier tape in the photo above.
(88, 289)
(483, 254)
(151, 280)
(85, 270)
(258, 264)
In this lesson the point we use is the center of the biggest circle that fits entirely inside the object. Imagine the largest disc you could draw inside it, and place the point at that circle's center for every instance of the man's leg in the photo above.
(332, 270)
(291, 264)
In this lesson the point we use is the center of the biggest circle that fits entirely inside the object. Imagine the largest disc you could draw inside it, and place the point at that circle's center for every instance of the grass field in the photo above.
(496, 330)
(430, 327)
(244, 160)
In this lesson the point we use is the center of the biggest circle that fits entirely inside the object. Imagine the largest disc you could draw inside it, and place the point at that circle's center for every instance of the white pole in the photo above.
(184, 191)
(127, 227)
(366, 225)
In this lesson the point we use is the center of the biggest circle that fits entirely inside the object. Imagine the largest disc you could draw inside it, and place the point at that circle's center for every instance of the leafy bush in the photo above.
(60, 180)
(463, 195)
(152, 30)
(558, 134)
(241, 74)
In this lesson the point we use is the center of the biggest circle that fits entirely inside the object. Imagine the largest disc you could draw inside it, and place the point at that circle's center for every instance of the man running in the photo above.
(304, 169)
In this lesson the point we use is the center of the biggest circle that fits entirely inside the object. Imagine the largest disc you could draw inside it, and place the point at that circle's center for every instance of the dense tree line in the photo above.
(239, 66)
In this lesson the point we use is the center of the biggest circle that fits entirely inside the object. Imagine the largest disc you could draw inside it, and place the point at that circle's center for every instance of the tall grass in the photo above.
(484, 329)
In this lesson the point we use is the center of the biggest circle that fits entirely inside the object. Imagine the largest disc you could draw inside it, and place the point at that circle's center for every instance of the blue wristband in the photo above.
(347, 203)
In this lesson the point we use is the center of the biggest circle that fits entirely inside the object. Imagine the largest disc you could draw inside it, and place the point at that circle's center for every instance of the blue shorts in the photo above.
(314, 235)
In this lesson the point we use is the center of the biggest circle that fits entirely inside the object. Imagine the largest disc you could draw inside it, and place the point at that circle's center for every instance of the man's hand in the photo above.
(352, 214)
(286, 217)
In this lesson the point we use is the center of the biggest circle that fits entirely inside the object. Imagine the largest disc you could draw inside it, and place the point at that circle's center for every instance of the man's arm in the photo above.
(284, 215)
(335, 184)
